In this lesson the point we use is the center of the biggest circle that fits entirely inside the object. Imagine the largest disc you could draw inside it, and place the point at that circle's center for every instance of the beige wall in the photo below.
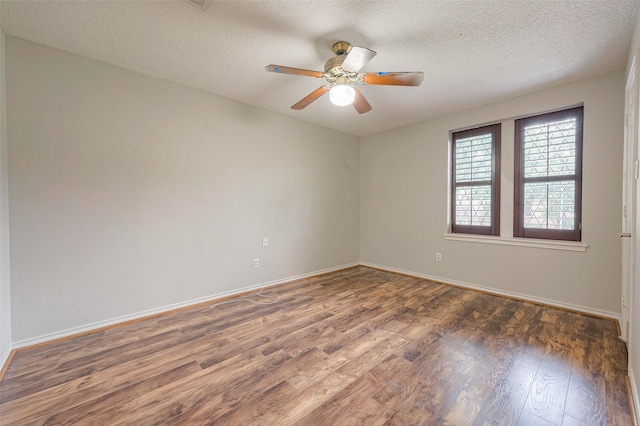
(5, 285)
(403, 192)
(129, 193)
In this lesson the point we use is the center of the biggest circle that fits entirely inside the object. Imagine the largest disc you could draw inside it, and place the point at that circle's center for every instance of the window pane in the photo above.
(475, 202)
(550, 149)
(473, 158)
(473, 205)
(549, 205)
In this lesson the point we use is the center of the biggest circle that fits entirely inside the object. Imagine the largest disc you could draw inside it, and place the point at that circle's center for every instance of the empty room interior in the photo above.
(319, 212)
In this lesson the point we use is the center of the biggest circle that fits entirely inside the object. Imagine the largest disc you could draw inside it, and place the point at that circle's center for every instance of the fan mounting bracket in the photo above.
(341, 48)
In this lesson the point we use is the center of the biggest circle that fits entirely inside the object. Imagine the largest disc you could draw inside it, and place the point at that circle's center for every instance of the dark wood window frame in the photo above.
(494, 227)
(518, 217)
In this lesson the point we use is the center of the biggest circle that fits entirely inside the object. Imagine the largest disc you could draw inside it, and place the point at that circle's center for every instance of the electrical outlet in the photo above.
(265, 241)
(256, 263)
(438, 256)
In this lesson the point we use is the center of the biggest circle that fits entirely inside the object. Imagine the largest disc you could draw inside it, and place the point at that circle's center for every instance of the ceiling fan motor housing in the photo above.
(334, 65)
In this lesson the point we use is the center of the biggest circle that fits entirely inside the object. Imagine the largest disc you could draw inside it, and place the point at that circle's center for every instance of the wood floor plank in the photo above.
(106, 381)
(572, 421)
(295, 409)
(29, 383)
(220, 387)
(506, 401)
(345, 406)
(548, 394)
(586, 399)
(309, 367)
(252, 413)
(428, 387)
(617, 403)
(307, 336)
(529, 419)
(357, 346)
(94, 409)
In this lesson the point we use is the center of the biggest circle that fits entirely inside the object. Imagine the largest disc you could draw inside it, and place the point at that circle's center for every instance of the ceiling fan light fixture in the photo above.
(342, 75)
(342, 95)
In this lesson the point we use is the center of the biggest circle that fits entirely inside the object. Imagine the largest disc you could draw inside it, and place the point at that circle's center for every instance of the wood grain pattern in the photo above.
(358, 346)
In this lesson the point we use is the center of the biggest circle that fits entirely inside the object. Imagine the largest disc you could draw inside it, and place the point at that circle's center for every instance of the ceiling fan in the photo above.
(342, 73)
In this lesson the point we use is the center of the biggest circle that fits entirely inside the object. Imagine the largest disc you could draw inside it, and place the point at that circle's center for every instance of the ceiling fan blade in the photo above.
(394, 78)
(295, 71)
(304, 102)
(360, 103)
(357, 58)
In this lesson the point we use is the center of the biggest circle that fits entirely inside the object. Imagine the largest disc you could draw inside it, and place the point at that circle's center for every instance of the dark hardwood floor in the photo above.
(358, 346)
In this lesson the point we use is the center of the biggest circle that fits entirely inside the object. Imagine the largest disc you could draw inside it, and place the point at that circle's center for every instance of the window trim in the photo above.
(494, 228)
(575, 246)
(519, 180)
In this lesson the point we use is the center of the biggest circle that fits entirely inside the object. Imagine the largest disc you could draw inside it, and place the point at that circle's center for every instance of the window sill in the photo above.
(521, 242)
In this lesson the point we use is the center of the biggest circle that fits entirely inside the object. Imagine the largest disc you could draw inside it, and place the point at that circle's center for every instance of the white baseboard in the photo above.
(114, 321)
(635, 402)
(5, 358)
(527, 297)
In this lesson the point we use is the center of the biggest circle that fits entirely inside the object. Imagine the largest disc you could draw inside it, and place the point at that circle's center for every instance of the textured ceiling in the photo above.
(471, 52)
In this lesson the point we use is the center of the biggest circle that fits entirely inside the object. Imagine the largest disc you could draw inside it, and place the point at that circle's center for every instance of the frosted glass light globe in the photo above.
(342, 94)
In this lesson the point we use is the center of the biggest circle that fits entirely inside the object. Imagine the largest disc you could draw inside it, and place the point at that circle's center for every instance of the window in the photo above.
(548, 176)
(475, 188)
